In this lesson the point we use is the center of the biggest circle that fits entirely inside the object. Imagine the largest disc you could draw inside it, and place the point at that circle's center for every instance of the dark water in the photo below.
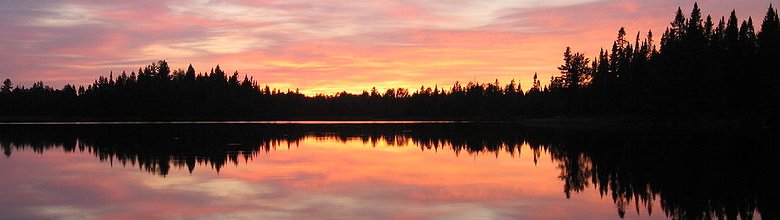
(382, 171)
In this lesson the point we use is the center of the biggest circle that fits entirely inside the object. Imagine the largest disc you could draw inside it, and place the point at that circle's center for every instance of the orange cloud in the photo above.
(324, 46)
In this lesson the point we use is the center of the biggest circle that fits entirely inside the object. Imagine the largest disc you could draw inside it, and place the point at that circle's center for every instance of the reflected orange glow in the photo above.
(314, 178)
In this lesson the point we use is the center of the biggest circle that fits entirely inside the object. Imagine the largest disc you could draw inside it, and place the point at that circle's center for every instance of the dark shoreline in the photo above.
(568, 123)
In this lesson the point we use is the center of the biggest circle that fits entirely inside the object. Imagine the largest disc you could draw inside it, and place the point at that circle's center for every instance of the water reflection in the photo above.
(692, 175)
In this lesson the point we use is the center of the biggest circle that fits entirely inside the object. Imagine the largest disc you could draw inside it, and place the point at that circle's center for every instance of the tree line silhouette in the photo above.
(704, 67)
(701, 69)
(695, 175)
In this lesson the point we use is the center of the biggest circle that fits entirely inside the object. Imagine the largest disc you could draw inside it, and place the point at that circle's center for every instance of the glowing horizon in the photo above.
(325, 46)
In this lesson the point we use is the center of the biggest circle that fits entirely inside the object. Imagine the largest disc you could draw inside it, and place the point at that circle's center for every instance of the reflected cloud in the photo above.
(495, 171)
(220, 188)
(65, 212)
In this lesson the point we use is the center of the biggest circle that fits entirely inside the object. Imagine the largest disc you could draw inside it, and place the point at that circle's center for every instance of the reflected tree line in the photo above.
(717, 174)
(706, 67)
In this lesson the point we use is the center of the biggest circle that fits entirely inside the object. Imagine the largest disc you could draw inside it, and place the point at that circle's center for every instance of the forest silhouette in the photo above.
(694, 175)
(703, 67)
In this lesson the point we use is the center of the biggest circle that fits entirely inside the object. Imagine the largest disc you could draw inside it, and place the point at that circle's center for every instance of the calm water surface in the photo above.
(379, 171)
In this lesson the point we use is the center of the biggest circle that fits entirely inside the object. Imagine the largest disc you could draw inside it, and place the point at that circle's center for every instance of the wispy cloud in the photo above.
(322, 46)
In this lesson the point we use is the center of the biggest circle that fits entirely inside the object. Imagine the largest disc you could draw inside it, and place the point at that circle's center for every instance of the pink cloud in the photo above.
(324, 46)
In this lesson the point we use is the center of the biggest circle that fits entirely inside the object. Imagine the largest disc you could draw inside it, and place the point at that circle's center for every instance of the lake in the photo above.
(400, 170)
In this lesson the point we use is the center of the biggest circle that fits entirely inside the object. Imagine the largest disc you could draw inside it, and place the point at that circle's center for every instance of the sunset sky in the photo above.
(325, 46)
